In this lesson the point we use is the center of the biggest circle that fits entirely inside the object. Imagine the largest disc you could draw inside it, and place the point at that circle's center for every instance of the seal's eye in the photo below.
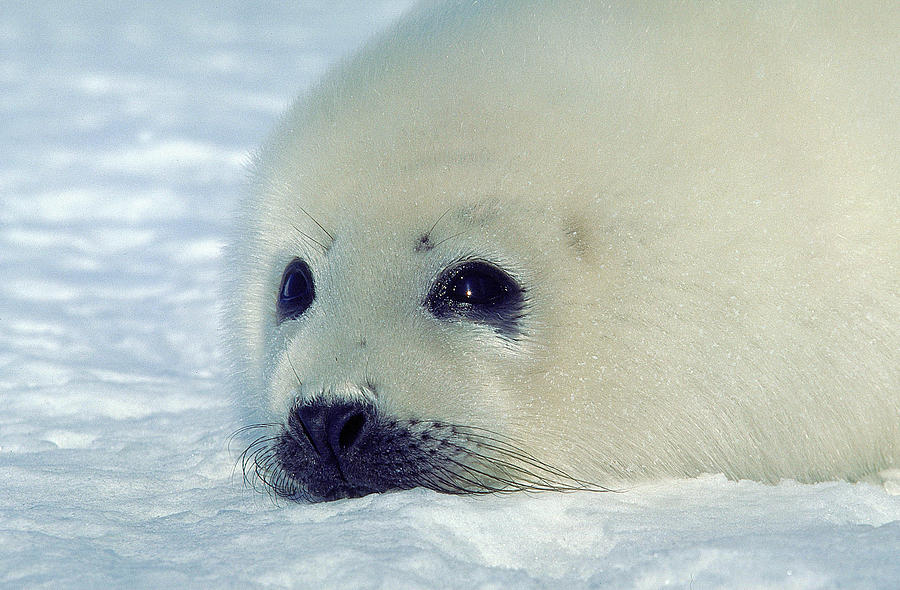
(478, 291)
(297, 291)
(478, 284)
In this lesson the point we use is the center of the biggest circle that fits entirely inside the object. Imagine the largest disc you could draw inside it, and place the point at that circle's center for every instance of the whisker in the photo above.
(453, 484)
(448, 238)
(310, 238)
(291, 363)
(466, 460)
(503, 447)
(316, 221)
(510, 468)
(437, 221)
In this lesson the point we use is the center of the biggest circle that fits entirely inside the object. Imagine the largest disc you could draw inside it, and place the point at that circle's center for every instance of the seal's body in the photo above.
(537, 244)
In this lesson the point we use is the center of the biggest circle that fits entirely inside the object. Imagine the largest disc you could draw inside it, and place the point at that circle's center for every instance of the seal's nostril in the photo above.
(332, 429)
(350, 431)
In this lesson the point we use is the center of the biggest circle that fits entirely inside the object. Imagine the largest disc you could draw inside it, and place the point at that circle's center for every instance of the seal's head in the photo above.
(395, 339)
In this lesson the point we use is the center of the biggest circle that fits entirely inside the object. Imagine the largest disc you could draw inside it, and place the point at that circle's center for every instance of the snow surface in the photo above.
(123, 133)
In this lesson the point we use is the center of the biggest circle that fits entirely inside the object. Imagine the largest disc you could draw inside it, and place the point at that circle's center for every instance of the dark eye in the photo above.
(478, 284)
(297, 291)
(478, 291)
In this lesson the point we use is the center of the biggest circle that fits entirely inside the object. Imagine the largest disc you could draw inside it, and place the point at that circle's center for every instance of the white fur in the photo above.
(700, 199)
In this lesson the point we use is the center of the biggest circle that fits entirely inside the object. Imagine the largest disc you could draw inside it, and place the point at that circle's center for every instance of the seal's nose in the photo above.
(332, 429)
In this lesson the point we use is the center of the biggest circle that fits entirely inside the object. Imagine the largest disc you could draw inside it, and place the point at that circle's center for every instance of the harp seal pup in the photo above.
(565, 245)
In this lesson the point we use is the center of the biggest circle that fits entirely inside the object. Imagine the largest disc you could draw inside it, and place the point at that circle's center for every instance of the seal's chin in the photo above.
(329, 450)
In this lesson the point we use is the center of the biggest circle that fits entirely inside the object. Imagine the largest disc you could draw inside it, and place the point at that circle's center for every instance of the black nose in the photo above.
(333, 429)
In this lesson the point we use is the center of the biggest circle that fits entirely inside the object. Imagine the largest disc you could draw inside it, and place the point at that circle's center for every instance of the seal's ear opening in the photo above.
(297, 290)
(478, 291)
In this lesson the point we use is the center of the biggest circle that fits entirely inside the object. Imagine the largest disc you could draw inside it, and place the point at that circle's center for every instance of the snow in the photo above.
(125, 129)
